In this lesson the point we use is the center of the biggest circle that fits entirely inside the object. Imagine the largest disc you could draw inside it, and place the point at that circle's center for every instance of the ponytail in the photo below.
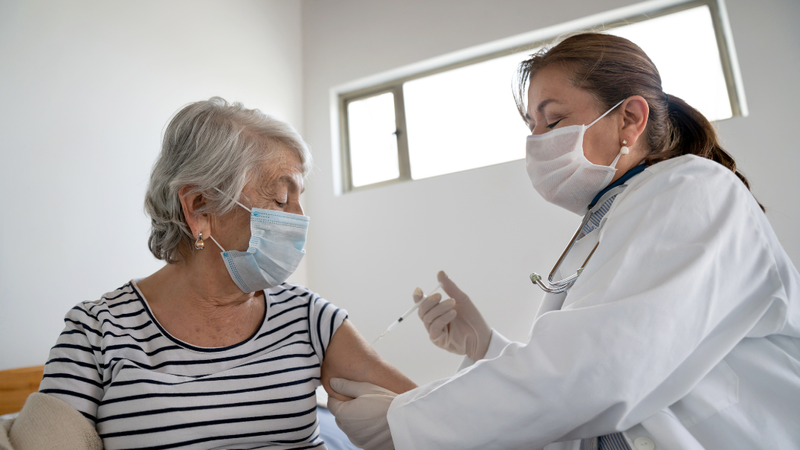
(690, 133)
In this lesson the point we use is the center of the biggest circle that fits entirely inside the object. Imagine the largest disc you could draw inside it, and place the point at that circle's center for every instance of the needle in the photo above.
(406, 314)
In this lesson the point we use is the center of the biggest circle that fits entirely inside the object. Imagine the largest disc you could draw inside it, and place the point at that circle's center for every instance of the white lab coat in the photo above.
(683, 331)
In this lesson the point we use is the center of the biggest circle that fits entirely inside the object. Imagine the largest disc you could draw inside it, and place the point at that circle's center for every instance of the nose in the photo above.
(539, 129)
(296, 208)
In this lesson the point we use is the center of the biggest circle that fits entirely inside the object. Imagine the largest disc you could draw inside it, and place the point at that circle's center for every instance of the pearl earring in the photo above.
(624, 150)
(199, 244)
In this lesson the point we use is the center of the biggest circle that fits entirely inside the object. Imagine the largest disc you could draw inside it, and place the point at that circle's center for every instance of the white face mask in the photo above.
(560, 171)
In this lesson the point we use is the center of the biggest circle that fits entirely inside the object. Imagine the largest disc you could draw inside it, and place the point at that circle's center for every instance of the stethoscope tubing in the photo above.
(556, 287)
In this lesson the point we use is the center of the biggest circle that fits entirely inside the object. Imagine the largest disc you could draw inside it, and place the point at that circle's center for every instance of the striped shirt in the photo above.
(604, 199)
(143, 388)
(598, 214)
(614, 441)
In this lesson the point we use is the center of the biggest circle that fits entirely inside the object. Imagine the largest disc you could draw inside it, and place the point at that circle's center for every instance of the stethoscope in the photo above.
(557, 287)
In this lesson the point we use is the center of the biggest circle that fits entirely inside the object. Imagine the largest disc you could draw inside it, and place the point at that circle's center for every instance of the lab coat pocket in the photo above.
(718, 390)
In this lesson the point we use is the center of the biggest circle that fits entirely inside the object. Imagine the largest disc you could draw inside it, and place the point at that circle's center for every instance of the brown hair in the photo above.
(612, 68)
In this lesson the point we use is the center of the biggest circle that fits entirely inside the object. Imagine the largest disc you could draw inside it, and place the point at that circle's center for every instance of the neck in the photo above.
(622, 179)
(198, 302)
(204, 280)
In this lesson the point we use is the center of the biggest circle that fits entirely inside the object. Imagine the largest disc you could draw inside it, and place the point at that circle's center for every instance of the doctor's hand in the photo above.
(363, 419)
(454, 324)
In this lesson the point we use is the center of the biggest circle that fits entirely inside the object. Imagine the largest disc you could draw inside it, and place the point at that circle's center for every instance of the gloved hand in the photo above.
(455, 324)
(363, 419)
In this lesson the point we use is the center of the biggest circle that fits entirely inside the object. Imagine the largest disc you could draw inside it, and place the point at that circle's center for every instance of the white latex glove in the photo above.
(454, 324)
(363, 419)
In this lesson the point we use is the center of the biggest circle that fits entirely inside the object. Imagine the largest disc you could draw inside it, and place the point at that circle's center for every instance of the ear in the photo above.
(635, 112)
(191, 202)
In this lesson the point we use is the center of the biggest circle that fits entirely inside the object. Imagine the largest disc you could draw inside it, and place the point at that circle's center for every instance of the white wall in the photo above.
(86, 88)
(487, 227)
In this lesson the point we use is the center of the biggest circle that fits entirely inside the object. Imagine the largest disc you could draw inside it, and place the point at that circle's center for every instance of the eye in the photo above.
(280, 204)
(552, 125)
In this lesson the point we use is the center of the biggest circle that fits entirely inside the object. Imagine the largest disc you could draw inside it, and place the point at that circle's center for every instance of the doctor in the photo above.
(673, 321)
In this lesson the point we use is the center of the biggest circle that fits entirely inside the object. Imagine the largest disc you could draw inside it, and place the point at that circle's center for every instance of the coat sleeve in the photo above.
(684, 271)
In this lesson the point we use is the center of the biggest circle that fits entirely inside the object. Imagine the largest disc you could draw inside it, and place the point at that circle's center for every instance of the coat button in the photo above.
(643, 443)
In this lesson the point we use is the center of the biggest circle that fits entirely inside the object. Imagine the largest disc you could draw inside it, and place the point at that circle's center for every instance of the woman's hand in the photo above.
(455, 324)
(363, 419)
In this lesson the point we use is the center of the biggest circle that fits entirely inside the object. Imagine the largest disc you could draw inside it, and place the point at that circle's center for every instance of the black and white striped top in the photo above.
(143, 388)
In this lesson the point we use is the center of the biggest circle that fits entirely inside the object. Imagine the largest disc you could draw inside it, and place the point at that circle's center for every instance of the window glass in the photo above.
(464, 118)
(689, 61)
(373, 142)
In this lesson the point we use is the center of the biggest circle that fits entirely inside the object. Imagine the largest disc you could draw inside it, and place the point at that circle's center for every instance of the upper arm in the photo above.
(72, 373)
(345, 354)
(350, 356)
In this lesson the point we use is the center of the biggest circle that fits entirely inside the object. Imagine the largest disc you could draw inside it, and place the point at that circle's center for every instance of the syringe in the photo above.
(407, 313)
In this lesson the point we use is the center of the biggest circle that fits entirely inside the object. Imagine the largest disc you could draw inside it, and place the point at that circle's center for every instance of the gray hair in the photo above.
(207, 145)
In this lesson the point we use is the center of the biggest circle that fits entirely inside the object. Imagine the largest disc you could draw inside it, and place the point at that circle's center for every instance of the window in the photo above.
(457, 113)
(463, 118)
(372, 139)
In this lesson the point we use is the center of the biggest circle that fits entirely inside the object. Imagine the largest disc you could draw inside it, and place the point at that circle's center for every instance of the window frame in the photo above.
(393, 81)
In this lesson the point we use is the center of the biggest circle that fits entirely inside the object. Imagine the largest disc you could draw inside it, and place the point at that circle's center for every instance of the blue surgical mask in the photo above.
(275, 250)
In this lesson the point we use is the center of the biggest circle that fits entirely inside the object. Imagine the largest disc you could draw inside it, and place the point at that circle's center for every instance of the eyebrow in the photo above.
(545, 103)
(540, 108)
(291, 182)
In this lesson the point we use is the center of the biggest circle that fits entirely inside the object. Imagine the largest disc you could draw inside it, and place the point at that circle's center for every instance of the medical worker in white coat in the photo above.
(681, 332)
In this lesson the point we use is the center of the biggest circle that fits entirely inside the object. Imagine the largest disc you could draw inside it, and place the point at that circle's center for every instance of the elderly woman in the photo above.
(215, 350)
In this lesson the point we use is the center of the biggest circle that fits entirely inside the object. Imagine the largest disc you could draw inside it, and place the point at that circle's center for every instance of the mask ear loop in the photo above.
(624, 150)
(614, 163)
(215, 241)
(598, 119)
(245, 207)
